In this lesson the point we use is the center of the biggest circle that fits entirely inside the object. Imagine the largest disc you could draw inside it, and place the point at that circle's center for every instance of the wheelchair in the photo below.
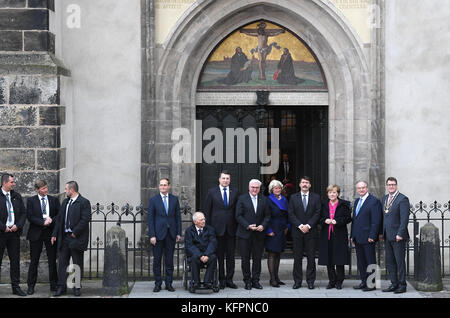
(187, 277)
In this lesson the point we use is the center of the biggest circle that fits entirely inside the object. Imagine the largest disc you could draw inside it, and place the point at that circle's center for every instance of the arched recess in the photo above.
(352, 146)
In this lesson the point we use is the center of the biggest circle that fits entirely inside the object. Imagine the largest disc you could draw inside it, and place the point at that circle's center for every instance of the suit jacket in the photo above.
(291, 174)
(19, 211)
(342, 216)
(367, 223)
(245, 215)
(79, 218)
(395, 222)
(197, 246)
(297, 214)
(34, 216)
(217, 215)
(160, 223)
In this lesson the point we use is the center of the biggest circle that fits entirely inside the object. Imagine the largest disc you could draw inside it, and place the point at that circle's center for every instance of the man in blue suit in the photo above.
(164, 227)
(365, 231)
(395, 234)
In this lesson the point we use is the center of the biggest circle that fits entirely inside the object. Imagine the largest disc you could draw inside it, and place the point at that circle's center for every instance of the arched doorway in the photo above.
(179, 63)
(255, 59)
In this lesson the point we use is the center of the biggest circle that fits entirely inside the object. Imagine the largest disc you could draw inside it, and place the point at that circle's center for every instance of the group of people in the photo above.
(256, 222)
(62, 228)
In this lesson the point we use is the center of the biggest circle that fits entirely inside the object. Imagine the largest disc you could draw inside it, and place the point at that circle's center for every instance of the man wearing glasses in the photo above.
(395, 233)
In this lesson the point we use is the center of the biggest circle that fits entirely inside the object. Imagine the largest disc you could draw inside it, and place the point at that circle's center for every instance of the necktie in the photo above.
(67, 215)
(225, 199)
(304, 202)
(44, 206)
(358, 206)
(390, 200)
(255, 203)
(10, 210)
(200, 231)
(165, 204)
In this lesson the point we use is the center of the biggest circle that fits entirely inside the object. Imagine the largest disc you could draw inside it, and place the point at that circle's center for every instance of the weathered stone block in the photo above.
(24, 19)
(48, 159)
(115, 271)
(3, 90)
(39, 41)
(14, 159)
(11, 41)
(18, 116)
(34, 90)
(429, 268)
(25, 182)
(38, 4)
(29, 137)
(51, 115)
(13, 3)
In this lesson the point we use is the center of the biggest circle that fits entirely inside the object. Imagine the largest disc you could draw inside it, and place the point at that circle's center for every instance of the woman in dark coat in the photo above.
(275, 240)
(334, 217)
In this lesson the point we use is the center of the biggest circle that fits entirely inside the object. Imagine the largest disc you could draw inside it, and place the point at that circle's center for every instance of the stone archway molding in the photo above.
(352, 148)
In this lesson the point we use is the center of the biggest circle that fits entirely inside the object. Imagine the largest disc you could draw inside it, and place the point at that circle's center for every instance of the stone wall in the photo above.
(30, 110)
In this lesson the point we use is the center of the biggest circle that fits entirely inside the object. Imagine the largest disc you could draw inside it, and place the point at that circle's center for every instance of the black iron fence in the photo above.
(140, 252)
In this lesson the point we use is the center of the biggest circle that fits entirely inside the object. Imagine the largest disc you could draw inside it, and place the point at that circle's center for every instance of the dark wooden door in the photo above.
(303, 134)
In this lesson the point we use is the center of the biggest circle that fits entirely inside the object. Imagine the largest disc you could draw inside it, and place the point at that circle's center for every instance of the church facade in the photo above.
(93, 91)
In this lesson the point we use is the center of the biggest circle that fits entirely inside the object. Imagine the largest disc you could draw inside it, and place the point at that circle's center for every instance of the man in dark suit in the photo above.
(365, 231)
(164, 225)
(395, 234)
(304, 214)
(71, 233)
(12, 220)
(286, 169)
(200, 244)
(253, 216)
(42, 209)
(220, 206)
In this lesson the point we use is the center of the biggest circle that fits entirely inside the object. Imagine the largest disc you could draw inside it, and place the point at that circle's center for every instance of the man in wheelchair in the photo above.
(200, 244)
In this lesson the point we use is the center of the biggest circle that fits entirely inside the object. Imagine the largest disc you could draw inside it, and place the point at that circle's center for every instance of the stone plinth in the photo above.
(115, 280)
(429, 266)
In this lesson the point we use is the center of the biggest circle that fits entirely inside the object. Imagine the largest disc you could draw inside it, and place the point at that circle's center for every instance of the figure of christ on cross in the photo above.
(263, 49)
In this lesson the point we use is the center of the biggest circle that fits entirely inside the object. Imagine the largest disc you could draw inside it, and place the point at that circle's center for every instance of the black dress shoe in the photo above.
(280, 282)
(390, 289)
(360, 286)
(257, 285)
(30, 290)
(170, 288)
(274, 284)
(222, 285)
(366, 289)
(310, 286)
(231, 285)
(338, 285)
(77, 292)
(208, 285)
(157, 289)
(19, 292)
(331, 285)
(59, 292)
(297, 286)
(248, 286)
(400, 290)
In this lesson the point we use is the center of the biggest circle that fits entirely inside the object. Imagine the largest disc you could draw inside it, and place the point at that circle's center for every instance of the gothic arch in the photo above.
(352, 149)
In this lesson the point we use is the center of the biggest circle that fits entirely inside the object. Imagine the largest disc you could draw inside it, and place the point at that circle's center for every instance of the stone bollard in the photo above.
(115, 272)
(429, 267)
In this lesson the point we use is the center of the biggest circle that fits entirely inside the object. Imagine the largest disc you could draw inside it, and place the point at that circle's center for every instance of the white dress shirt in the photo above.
(67, 210)
(162, 198)
(47, 207)
(9, 224)
(254, 201)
